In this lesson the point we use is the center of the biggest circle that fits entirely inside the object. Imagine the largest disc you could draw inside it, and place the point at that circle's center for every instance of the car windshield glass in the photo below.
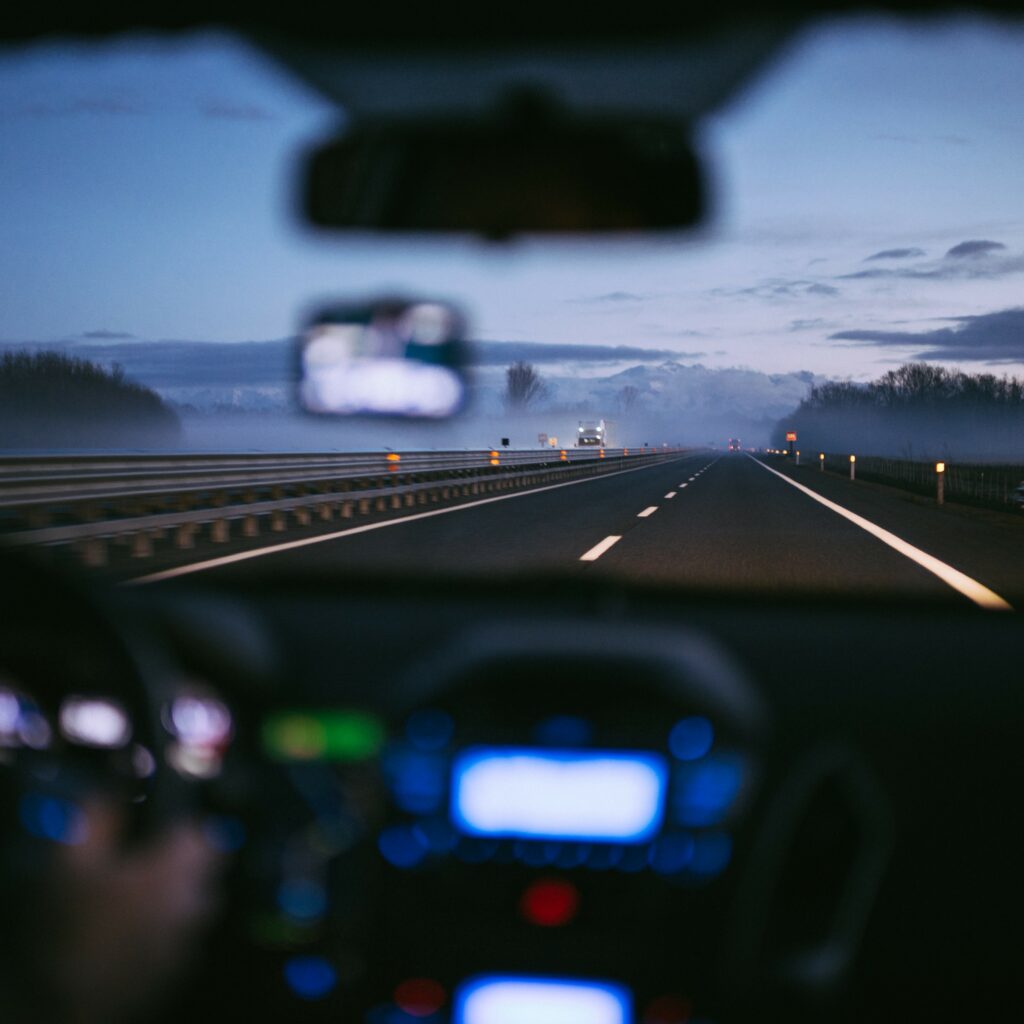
(848, 317)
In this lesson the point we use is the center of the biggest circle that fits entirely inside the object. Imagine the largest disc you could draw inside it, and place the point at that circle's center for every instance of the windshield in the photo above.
(850, 309)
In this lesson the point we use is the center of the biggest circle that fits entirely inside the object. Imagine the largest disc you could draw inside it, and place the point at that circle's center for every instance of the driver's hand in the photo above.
(126, 919)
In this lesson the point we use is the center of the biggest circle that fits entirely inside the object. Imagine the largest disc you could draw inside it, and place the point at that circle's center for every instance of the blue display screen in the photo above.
(498, 999)
(591, 796)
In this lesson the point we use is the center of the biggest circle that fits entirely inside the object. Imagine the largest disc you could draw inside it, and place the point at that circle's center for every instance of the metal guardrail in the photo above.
(975, 483)
(89, 501)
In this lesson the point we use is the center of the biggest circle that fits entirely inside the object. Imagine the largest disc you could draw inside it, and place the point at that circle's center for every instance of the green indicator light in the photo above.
(323, 735)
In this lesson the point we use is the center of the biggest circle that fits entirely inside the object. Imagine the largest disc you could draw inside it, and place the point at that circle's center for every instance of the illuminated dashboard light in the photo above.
(563, 731)
(143, 761)
(310, 977)
(634, 859)
(603, 858)
(571, 855)
(475, 851)
(429, 729)
(672, 854)
(550, 903)
(420, 997)
(22, 723)
(302, 899)
(711, 854)
(525, 1000)
(49, 817)
(194, 762)
(10, 712)
(417, 780)
(704, 791)
(437, 834)
(315, 735)
(200, 721)
(691, 738)
(94, 722)
(527, 793)
(402, 846)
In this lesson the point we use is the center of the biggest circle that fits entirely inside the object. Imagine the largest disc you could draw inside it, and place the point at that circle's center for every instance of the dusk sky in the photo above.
(869, 210)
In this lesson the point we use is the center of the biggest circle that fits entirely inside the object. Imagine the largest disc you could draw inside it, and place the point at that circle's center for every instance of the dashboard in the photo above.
(533, 801)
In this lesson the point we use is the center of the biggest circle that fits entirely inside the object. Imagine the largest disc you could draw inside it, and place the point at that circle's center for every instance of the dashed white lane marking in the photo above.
(599, 549)
(671, 494)
(270, 549)
(649, 511)
(970, 588)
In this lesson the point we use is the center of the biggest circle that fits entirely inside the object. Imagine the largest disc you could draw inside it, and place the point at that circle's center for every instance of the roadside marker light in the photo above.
(940, 467)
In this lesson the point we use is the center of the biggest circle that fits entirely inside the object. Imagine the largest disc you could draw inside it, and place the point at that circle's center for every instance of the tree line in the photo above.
(54, 400)
(917, 410)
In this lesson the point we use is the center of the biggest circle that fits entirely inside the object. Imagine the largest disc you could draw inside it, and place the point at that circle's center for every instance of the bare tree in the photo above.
(523, 387)
(628, 397)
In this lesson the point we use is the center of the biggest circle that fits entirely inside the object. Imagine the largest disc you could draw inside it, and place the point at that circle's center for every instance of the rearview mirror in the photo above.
(527, 168)
(390, 357)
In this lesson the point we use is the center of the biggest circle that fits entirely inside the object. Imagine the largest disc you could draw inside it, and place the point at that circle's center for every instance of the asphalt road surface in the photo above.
(705, 521)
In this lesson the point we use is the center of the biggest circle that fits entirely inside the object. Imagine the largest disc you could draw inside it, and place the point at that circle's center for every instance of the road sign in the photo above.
(542, 439)
(790, 435)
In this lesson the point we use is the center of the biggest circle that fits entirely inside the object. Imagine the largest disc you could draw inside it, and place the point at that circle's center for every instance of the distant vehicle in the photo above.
(734, 444)
(592, 434)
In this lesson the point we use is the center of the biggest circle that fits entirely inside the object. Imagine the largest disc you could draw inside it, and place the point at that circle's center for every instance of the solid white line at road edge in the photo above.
(971, 589)
(242, 556)
(599, 549)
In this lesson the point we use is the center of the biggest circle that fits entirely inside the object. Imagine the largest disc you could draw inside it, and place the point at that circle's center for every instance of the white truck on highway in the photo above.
(592, 434)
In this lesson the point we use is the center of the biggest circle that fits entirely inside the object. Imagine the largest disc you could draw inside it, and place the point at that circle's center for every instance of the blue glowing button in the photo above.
(691, 738)
(524, 1000)
(417, 780)
(703, 792)
(309, 977)
(527, 793)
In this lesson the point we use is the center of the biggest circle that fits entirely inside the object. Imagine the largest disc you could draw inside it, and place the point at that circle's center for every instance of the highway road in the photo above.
(707, 521)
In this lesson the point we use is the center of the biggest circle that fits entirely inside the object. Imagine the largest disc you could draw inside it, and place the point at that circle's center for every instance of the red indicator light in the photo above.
(550, 902)
(420, 997)
(668, 1010)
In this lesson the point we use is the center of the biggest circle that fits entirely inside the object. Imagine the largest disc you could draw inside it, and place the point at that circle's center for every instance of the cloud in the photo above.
(895, 254)
(779, 288)
(610, 297)
(501, 353)
(969, 260)
(985, 338)
(979, 247)
(102, 335)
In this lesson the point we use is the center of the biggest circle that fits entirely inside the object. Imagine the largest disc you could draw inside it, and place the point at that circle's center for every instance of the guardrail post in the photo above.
(142, 545)
(219, 531)
(93, 552)
(853, 467)
(277, 521)
(250, 526)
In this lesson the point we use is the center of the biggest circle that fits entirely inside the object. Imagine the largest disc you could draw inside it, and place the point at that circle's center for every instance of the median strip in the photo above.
(963, 584)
